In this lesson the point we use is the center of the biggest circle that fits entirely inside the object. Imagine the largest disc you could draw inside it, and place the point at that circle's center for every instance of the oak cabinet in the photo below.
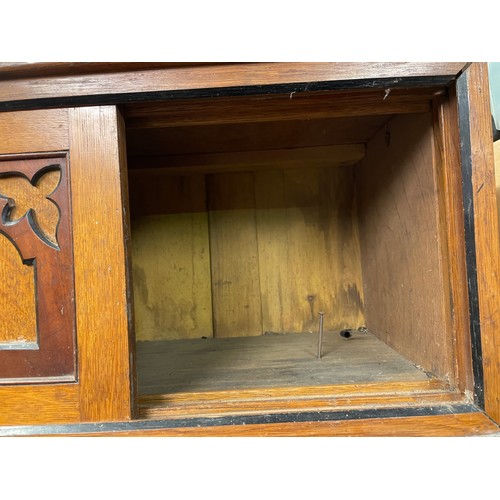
(171, 238)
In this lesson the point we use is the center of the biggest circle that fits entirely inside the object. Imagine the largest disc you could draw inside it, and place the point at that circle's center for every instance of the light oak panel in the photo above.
(39, 405)
(17, 297)
(100, 271)
(33, 131)
(401, 244)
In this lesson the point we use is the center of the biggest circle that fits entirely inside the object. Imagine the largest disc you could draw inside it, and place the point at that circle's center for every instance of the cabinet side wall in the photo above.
(401, 247)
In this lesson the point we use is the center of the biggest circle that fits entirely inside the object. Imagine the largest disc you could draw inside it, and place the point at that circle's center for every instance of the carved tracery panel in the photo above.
(35, 218)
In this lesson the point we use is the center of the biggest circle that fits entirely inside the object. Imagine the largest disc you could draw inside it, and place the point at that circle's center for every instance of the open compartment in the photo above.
(250, 216)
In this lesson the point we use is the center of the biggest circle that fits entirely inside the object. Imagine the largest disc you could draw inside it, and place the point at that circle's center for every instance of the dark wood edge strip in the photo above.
(285, 88)
(470, 241)
(280, 418)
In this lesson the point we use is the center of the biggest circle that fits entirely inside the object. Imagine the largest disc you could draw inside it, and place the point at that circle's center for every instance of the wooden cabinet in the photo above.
(170, 235)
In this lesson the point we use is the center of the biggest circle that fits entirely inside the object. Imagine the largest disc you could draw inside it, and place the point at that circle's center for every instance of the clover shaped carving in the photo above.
(30, 199)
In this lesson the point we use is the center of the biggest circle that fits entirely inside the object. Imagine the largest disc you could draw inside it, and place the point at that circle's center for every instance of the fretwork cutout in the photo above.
(32, 200)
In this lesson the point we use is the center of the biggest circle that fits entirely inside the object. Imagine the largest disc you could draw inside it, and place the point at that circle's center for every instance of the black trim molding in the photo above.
(277, 418)
(161, 95)
(470, 240)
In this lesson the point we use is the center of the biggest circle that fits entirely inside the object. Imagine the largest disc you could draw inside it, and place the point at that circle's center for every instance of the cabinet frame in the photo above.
(479, 205)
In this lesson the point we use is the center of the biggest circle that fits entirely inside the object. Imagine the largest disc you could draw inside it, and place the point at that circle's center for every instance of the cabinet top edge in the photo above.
(15, 70)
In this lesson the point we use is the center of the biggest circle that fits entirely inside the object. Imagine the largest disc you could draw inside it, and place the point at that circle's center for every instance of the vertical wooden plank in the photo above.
(171, 257)
(237, 309)
(273, 245)
(487, 258)
(308, 249)
(401, 244)
(102, 306)
(496, 148)
(447, 138)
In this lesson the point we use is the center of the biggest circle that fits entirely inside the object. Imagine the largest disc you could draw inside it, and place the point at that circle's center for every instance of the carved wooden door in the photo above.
(65, 341)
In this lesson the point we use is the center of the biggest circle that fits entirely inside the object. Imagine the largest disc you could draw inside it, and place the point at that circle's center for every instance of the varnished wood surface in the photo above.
(39, 404)
(27, 196)
(260, 136)
(100, 273)
(282, 400)
(198, 365)
(337, 155)
(35, 131)
(40, 229)
(496, 149)
(449, 180)
(10, 70)
(17, 296)
(217, 76)
(453, 425)
(401, 247)
(277, 107)
(486, 232)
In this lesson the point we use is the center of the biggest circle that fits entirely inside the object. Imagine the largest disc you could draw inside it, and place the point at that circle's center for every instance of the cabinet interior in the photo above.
(250, 215)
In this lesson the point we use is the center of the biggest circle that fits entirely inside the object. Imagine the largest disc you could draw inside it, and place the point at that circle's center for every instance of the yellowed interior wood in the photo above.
(17, 296)
(401, 243)
(283, 247)
(236, 292)
(308, 249)
(171, 260)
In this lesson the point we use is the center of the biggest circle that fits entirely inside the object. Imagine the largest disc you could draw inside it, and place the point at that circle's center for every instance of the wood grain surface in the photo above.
(308, 243)
(243, 161)
(259, 136)
(36, 69)
(170, 257)
(401, 247)
(217, 76)
(234, 255)
(37, 220)
(17, 296)
(464, 424)
(486, 232)
(496, 146)
(277, 107)
(39, 405)
(100, 265)
(35, 131)
(447, 147)
(268, 362)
